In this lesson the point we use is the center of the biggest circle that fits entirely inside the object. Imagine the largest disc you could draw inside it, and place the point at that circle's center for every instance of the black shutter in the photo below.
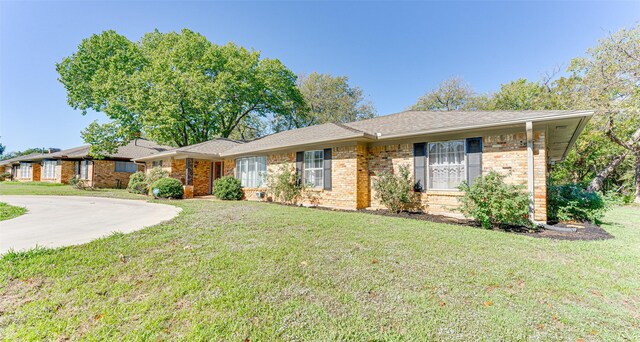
(419, 166)
(299, 161)
(474, 159)
(327, 169)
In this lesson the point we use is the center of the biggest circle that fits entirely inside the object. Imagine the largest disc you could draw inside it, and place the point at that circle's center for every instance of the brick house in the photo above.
(110, 172)
(22, 168)
(442, 149)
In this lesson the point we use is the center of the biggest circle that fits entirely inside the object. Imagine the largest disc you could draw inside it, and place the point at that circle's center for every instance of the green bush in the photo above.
(227, 188)
(81, 184)
(493, 203)
(572, 202)
(168, 188)
(138, 183)
(5, 176)
(155, 174)
(284, 186)
(396, 191)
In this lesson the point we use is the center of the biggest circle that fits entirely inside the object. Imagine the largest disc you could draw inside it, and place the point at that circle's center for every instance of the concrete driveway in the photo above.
(53, 221)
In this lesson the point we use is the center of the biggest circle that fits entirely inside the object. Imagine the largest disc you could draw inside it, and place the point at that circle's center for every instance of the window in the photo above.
(129, 167)
(252, 171)
(156, 163)
(25, 170)
(83, 169)
(313, 171)
(49, 169)
(446, 164)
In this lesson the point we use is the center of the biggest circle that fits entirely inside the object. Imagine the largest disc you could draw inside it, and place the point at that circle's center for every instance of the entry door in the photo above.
(216, 172)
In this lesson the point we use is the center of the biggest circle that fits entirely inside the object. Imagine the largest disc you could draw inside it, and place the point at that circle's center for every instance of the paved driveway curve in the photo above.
(54, 221)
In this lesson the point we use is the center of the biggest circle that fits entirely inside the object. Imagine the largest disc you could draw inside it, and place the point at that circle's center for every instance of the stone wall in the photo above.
(201, 177)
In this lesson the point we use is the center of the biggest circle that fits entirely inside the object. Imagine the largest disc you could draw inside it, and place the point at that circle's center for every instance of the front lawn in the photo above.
(8, 212)
(244, 270)
(41, 188)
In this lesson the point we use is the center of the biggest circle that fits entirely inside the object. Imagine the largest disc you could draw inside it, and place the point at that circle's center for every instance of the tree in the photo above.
(610, 75)
(2, 148)
(14, 154)
(328, 99)
(451, 94)
(175, 88)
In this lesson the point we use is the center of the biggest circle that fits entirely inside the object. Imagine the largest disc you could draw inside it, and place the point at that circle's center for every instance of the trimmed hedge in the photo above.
(167, 188)
(138, 183)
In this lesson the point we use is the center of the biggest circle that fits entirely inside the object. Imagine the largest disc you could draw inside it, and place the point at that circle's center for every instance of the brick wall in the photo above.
(201, 177)
(105, 175)
(33, 177)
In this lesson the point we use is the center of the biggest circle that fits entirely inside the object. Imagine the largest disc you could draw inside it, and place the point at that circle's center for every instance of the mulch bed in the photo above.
(584, 231)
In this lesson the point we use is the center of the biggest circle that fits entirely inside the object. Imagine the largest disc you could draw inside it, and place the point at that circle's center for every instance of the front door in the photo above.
(216, 172)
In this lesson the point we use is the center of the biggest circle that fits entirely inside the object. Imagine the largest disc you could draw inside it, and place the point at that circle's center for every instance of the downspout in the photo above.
(530, 169)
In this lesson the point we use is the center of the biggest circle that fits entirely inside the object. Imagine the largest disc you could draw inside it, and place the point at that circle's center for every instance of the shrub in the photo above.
(155, 174)
(138, 183)
(396, 191)
(493, 203)
(284, 185)
(227, 188)
(4, 176)
(573, 202)
(81, 184)
(168, 188)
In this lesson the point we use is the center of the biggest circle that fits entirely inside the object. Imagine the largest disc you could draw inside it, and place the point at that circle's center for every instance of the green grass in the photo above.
(8, 212)
(236, 270)
(41, 188)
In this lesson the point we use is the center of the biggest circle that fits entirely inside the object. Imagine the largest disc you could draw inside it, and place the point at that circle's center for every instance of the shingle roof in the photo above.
(407, 122)
(211, 148)
(301, 136)
(21, 158)
(137, 148)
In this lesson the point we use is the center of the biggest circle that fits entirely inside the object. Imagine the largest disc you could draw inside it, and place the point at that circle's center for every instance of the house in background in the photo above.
(23, 168)
(110, 172)
(341, 162)
(196, 166)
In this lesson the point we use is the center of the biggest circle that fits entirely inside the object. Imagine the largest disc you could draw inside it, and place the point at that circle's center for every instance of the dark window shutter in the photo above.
(419, 166)
(327, 169)
(474, 159)
(299, 161)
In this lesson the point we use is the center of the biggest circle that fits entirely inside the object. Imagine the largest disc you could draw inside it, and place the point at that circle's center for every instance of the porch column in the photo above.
(530, 169)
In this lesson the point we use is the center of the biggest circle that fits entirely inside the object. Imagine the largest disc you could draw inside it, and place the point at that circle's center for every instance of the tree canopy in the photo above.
(175, 88)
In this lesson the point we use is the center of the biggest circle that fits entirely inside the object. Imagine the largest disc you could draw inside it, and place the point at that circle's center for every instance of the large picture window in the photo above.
(82, 169)
(129, 167)
(446, 164)
(25, 170)
(313, 171)
(252, 171)
(49, 169)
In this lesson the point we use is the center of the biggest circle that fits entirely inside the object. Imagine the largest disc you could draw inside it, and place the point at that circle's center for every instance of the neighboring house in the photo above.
(22, 168)
(341, 161)
(196, 166)
(110, 172)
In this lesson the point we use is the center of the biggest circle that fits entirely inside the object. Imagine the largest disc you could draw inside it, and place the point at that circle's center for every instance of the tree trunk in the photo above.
(637, 199)
(597, 183)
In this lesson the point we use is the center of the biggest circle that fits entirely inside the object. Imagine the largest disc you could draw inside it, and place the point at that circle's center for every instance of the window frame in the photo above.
(156, 163)
(260, 180)
(49, 168)
(29, 167)
(428, 165)
(118, 162)
(321, 168)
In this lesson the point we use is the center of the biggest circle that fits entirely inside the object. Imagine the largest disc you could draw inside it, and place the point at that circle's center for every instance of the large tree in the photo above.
(610, 74)
(451, 94)
(175, 88)
(328, 99)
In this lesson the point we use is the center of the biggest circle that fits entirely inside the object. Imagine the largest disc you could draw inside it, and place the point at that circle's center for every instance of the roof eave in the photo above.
(495, 124)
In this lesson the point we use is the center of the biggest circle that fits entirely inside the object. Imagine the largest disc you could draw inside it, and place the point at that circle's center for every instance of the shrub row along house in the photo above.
(61, 166)
(340, 162)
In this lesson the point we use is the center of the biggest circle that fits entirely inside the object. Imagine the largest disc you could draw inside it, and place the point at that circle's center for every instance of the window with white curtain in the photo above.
(252, 171)
(25, 170)
(446, 164)
(129, 167)
(49, 169)
(313, 171)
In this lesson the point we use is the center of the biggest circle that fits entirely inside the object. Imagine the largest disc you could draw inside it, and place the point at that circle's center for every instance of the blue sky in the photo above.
(394, 51)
